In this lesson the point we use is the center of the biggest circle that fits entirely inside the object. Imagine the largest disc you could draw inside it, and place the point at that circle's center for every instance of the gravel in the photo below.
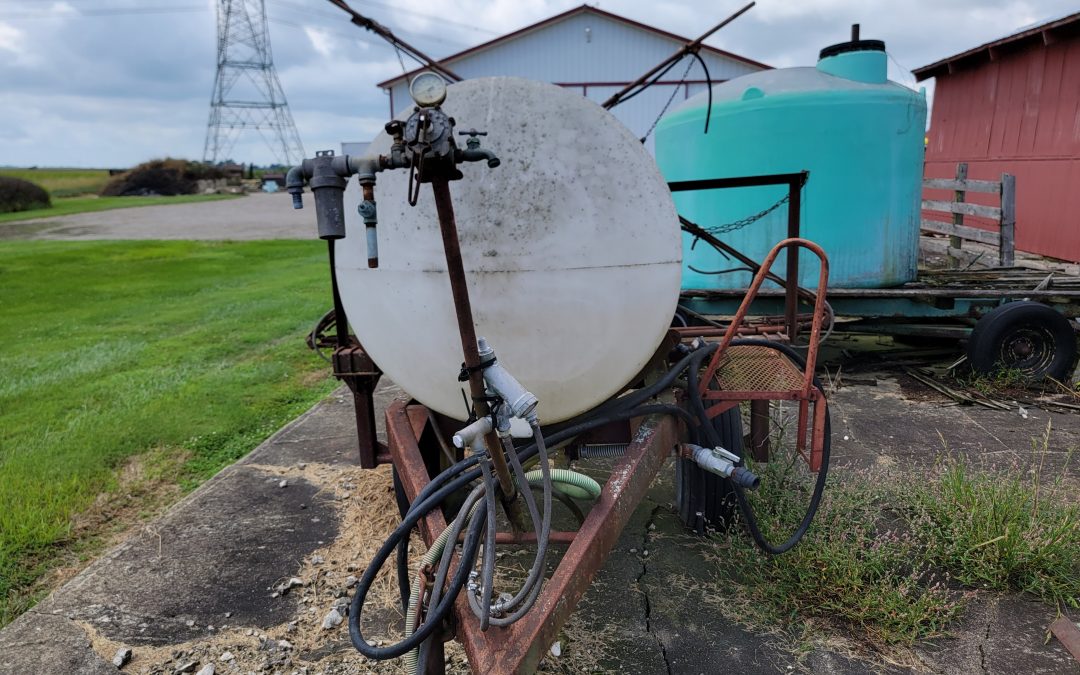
(332, 620)
(123, 655)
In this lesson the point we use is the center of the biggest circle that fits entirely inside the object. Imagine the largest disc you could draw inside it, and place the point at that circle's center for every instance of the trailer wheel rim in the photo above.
(1028, 348)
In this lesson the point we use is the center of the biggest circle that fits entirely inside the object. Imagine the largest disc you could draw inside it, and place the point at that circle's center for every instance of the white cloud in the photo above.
(111, 90)
(11, 38)
(320, 40)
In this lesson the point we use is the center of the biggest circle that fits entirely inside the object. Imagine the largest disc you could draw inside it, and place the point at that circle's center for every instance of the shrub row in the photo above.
(161, 177)
(17, 194)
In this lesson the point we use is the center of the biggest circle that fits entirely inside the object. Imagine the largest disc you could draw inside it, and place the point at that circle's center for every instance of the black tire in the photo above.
(707, 501)
(1025, 336)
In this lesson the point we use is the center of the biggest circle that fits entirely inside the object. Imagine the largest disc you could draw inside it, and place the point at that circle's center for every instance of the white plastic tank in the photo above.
(571, 248)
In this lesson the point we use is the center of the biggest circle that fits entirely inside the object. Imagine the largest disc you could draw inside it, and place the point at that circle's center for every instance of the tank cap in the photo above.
(853, 46)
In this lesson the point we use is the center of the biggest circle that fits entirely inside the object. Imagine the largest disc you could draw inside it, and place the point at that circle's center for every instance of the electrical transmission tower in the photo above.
(247, 93)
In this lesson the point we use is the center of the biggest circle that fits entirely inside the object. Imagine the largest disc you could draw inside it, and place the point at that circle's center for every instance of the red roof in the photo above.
(1044, 33)
(449, 60)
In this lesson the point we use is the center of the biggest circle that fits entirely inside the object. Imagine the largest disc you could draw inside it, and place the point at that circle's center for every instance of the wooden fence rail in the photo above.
(1003, 236)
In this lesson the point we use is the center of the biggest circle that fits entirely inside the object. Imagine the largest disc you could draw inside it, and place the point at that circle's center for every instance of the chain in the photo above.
(739, 224)
(674, 91)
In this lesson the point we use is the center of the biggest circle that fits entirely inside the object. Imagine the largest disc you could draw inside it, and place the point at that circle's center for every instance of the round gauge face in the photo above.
(428, 90)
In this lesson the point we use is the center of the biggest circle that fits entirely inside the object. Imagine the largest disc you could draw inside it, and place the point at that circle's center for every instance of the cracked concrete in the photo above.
(647, 605)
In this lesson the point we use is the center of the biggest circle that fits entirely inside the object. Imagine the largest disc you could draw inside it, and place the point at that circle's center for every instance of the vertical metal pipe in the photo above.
(341, 322)
(791, 285)
(455, 269)
(759, 430)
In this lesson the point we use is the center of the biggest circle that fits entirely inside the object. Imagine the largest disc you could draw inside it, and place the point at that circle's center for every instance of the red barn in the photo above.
(1013, 106)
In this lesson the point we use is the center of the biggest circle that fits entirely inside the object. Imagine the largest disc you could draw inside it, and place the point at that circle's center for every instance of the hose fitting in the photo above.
(473, 435)
(500, 381)
(724, 463)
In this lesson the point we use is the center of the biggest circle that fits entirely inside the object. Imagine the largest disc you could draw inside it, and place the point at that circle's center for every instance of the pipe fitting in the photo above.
(294, 185)
(473, 435)
(500, 381)
(724, 463)
(364, 168)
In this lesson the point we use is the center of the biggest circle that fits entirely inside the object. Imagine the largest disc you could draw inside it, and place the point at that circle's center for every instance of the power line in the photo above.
(309, 12)
(107, 11)
(424, 15)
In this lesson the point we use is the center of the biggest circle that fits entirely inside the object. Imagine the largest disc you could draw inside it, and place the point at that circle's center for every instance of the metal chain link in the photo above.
(739, 224)
(674, 91)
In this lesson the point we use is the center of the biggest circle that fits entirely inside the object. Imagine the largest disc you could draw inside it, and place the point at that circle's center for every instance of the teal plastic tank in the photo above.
(859, 135)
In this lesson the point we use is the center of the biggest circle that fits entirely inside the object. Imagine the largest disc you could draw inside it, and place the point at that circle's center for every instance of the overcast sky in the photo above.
(109, 83)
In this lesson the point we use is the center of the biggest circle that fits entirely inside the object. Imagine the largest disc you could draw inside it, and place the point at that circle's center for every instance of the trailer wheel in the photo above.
(1026, 336)
(705, 500)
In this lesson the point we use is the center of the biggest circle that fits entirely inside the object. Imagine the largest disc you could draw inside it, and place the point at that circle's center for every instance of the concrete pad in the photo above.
(43, 643)
(223, 552)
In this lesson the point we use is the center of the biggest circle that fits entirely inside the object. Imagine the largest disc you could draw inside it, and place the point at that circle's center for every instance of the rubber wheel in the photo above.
(1025, 336)
(707, 501)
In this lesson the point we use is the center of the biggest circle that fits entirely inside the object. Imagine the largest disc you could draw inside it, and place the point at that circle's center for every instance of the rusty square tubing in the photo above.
(751, 293)
(1069, 635)
(519, 648)
(757, 395)
(817, 445)
(405, 452)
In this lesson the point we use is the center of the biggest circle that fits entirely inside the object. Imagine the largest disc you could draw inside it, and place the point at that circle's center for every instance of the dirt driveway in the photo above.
(256, 216)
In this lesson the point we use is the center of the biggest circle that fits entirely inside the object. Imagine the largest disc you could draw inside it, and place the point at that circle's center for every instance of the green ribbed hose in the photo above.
(432, 556)
(573, 484)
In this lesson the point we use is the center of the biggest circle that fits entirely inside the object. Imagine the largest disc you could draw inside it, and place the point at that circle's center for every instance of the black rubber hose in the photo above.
(434, 617)
(708, 88)
(364, 586)
(420, 508)
(403, 546)
(443, 568)
(611, 406)
(487, 569)
(740, 494)
(535, 580)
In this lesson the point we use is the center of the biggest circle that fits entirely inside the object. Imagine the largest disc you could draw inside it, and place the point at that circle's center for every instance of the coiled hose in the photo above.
(473, 516)
(740, 494)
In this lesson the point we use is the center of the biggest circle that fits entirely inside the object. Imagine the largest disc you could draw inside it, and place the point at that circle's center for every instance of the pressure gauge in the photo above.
(428, 89)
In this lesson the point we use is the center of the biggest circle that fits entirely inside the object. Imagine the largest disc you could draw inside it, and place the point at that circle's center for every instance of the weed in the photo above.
(857, 569)
(1002, 530)
(891, 558)
(993, 383)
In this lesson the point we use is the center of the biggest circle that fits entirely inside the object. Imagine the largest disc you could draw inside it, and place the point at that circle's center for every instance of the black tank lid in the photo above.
(854, 45)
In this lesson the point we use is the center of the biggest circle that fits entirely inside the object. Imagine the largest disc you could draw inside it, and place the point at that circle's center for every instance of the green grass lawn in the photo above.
(121, 350)
(63, 182)
(70, 205)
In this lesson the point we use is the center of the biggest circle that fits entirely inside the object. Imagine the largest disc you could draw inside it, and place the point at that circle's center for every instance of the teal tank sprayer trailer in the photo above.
(834, 153)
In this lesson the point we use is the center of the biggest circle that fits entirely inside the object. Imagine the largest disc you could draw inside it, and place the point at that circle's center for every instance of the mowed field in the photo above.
(135, 369)
(76, 191)
(63, 182)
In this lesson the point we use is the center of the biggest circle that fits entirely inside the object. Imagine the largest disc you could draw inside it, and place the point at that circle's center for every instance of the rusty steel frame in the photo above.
(519, 648)
(808, 392)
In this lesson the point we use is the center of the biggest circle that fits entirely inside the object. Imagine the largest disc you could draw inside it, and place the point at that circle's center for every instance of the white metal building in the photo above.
(596, 52)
